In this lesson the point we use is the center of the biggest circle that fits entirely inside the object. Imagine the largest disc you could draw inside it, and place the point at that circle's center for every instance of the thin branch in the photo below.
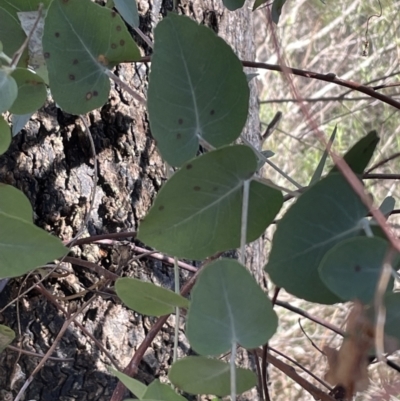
(373, 176)
(320, 99)
(382, 162)
(92, 266)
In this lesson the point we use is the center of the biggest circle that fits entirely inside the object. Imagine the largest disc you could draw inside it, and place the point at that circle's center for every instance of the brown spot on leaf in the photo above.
(46, 55)
(113, 14)
(178, 135)
(118, 28)
(357, 268)
(180, 121)
(71, 77)
(212, 112)
(102, 59)
(161, 207)
(75, 61)
(189, 166)
(57, 34)
(88, 95)
(197, 188)
(113, 46)
(122, 42)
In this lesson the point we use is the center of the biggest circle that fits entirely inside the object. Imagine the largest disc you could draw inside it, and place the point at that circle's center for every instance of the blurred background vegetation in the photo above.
(329, 37)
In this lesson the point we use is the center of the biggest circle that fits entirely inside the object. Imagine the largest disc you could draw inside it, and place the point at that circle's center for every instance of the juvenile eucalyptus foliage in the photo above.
(198, 96)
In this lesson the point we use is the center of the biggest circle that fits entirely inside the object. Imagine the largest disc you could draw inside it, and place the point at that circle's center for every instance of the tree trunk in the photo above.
(52, 163)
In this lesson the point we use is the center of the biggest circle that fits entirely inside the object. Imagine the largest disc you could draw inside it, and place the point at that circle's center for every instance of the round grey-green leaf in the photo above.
(327, 213)
(228, 307)
(200, 375)
(197, 90)
(81, 40)
(32, 92)
(14, 203)
(24, 247)
(160, 391)
(5, 135)
(8, 90)
(147, 298)
(198, 211)
(351, 269)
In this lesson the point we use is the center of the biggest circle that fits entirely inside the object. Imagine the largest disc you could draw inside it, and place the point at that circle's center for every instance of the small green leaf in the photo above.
(351, 269)
(14, 203)
(327, 213)
(198, 211)
(7, 336)
(8, 90)
(387, 205)
(233, 5)
(137, 388)
(24, 247)
(228, 307)
(320, 168)
(360, 154)
(19, 122)
(276, 10)
(199, 375)
(128, 11)
(5, 135)
(78, 59)
(147, 298)
(197, 90)
(258, 3)
(32, 92)
(11, 34)
(160, 391)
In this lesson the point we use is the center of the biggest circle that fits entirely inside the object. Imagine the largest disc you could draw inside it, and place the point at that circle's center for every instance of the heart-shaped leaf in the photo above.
(198, 211)
(200, 375)
(8, 90)
(14, 203)
(147, 298)
(32, 92)
(5, 135)
(77, 59)
(351, 269)
(327, 213)
(228, 307)
(197, 90)
(23, 246)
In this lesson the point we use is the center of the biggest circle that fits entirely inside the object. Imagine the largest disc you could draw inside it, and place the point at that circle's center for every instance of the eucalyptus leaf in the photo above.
(159, 391)
(8, 90)
(12, 35)
(7, 336)
(78, 59)
(276, 10)
(233, 5)
(200, 375)
(32, 92)
(5, 135)
(351, 269)
(128, 11)
(387, 205)
(360, 154)
(197, 90)
(198, 211)
(228, 307)
(14, 203)
(320, 168)
(19, 122)
(23, 246)
(327, 213)
(147, 298)
(137, 388)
